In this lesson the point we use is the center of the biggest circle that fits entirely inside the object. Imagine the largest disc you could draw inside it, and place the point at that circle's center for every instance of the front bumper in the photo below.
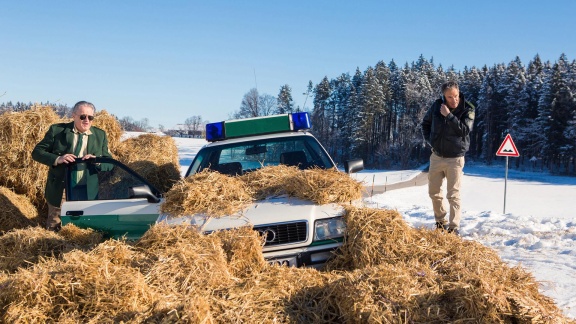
(314, 257)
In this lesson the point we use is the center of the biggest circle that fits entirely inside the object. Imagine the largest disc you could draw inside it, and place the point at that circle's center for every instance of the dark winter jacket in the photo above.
(449, 136)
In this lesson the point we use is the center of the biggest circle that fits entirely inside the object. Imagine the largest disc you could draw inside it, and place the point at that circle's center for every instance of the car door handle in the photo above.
(75, 213)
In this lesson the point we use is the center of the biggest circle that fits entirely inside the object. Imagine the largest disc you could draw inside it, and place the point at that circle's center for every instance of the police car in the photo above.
(297, 232)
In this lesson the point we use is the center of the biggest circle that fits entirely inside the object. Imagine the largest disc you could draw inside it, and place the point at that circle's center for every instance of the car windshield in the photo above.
(241, 157)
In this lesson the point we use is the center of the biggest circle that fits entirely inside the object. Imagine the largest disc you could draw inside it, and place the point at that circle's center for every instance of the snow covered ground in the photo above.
(538, 230)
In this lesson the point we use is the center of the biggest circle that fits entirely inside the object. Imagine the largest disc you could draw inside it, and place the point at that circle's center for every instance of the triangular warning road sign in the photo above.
(508, 148)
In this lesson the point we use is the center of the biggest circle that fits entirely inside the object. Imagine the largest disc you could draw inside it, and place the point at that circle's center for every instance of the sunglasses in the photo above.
(83, 117)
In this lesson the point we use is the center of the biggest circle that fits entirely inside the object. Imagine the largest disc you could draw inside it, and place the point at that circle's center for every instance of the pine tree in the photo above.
(491, 114)
(514, 84)
(556, 111)
(470, 84)
(285, 102)
(524, 116)
(372, 107)
(340, 138)
(320, 118)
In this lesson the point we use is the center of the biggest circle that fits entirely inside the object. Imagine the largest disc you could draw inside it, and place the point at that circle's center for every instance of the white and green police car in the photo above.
(297, 232)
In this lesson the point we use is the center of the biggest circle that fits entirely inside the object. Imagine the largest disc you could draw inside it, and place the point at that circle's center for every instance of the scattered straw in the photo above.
(22, 247)
(326, 186)
(175, 274)
(318, 185)
(207, 192)
(270, 180)
(243, 248)
(217, 195)
(185, 261)
(81, 287)
(421, 275)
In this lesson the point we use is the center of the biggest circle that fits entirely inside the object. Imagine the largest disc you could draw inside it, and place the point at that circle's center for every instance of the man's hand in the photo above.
(66, 158)
(444, 110)
(70, 158)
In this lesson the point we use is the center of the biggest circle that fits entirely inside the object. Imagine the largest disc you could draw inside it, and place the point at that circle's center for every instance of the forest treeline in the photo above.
(376, 114)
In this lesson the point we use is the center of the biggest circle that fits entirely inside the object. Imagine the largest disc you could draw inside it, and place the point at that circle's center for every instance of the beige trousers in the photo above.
(451, 169)
(53, 218)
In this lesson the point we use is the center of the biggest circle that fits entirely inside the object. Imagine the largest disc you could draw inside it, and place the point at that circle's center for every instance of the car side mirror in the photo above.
(143, 192)
(354, 165)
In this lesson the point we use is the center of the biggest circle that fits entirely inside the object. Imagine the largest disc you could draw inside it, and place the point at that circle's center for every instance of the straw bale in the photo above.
(318, 185)
(109, 124)
(19, 134)
(183, 261)
(270, 180)
(217, 194)
(81, 287)
(153, 157)
(81, 237)
(368, 232)
(243, 248)
(464, 279)
(189, 309)
(208, 192)
(16, 211)
(24, 247)
(325, 186)
(277, 295)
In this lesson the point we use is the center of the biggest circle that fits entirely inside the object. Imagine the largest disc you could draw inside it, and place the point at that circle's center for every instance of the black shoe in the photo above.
(441, 226)
(454, 231)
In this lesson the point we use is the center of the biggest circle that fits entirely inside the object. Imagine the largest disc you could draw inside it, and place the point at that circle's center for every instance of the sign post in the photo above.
(507, 149)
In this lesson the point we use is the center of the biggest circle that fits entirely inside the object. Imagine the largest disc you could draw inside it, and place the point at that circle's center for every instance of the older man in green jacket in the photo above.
(62, 144)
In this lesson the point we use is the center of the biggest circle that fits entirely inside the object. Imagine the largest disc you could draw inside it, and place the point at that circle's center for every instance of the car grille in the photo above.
(284, 233)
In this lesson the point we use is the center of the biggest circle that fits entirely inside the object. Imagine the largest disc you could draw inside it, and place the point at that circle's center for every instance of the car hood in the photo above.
(272, 210)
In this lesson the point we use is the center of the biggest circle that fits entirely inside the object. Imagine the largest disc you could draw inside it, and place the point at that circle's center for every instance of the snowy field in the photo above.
(538, 230)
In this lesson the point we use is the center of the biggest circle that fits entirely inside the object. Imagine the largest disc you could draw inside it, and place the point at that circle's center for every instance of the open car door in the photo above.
(112, 198)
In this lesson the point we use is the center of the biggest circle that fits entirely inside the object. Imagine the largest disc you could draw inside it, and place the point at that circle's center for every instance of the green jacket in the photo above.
(58, 141)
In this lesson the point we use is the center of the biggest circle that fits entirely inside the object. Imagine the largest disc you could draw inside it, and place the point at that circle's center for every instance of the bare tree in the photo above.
(193, 125)
(267, 105)
(250, 105)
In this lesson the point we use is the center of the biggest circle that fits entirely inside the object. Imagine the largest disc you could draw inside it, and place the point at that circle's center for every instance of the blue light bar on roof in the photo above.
(215, 132)
(257, 126)
(300, 121)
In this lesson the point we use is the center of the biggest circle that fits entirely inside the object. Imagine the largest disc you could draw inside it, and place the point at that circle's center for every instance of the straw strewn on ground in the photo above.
(176, 274)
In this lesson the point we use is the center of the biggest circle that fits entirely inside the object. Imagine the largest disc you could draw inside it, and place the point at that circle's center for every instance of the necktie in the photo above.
(75, 175)
(79, 144)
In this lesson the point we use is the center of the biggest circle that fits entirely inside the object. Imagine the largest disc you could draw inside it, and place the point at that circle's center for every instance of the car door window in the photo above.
(114, 181)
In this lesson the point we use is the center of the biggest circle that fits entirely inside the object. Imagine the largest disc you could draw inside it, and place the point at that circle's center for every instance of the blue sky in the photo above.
(170, 60)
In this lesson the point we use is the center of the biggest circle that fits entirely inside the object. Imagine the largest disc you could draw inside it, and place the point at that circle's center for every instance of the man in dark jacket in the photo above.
(62, 144)
(446, 128)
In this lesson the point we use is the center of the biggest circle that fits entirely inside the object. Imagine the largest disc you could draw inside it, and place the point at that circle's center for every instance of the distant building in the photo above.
(181, 130)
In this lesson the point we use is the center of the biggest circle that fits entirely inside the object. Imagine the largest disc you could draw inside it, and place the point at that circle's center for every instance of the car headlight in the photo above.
(325, 229)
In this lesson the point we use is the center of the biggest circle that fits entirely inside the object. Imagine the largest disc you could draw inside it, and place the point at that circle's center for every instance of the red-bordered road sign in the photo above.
(508, 148)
